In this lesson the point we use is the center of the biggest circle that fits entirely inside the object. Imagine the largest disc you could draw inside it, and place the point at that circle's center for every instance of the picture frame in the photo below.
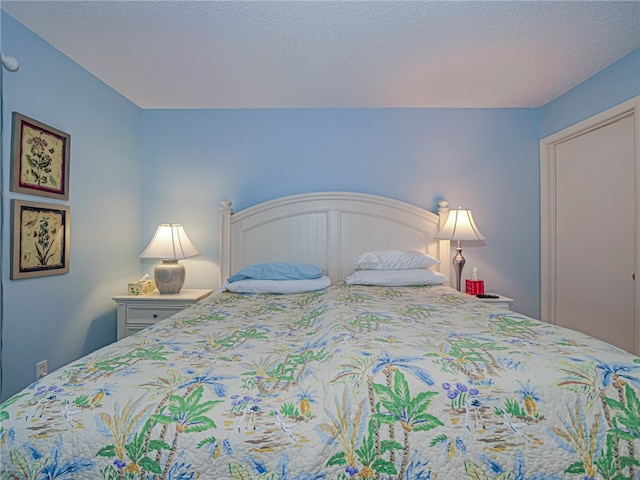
(40, 159)
(40, 239)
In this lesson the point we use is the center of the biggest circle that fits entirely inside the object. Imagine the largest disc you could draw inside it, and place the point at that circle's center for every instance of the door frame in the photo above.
(548, 205)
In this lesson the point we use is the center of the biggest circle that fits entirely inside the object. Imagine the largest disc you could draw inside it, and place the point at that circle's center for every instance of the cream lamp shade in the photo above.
(170, 244)
(459, 227)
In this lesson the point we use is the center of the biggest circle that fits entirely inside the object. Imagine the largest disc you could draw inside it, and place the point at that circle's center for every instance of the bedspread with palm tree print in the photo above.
(351, 382)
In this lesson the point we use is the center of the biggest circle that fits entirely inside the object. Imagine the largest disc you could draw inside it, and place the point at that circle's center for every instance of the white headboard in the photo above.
(329, 229)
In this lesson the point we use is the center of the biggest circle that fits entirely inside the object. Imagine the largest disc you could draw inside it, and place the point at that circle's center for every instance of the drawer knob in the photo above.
(155, 315)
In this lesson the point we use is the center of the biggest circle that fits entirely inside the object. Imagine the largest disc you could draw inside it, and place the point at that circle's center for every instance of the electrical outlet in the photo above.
(41, 369)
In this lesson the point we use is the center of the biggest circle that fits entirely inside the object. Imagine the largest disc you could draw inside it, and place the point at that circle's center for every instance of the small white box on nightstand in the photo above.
(141, 287)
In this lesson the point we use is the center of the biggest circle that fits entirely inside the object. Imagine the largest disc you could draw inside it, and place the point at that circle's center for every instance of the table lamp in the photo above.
(459, 227)
(170, 243)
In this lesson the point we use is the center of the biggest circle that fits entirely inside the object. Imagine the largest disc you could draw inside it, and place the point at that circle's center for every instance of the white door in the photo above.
(595, 233)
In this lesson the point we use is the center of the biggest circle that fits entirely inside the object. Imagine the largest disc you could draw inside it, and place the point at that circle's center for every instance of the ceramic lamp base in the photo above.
(169, 276)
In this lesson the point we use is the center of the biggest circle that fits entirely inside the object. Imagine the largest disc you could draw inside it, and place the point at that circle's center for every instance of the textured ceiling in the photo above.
(289, 54)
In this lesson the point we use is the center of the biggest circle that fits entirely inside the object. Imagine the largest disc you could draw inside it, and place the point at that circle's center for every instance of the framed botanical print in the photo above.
(40, 241)
(40, 159)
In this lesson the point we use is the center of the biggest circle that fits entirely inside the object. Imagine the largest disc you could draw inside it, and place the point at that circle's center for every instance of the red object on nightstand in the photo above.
(475, 287)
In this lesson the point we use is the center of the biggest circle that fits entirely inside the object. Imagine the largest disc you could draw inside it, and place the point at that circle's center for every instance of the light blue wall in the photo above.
(615, 84)
(62, 317)
(484, 159)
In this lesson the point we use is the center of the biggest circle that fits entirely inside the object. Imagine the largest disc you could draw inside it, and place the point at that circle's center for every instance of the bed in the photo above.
(350, 381)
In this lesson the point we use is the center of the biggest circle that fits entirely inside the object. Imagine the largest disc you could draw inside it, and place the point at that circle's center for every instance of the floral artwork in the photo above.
(40, 159)
(40, 239)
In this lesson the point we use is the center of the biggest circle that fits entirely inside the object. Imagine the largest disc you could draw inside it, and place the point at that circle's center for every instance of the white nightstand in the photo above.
(501, 302)
(136, 312)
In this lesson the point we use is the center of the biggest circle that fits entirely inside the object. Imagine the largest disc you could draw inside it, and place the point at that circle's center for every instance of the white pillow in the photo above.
(395, 260)
(397, 278)
(277, 286)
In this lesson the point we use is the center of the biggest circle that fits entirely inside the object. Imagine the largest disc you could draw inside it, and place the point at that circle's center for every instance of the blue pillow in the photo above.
(277, 271)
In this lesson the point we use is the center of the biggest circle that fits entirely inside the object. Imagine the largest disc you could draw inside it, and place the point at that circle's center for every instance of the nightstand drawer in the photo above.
(136, 312)
(130, 330)
(148, 315)
(500, 302)
(505, 305)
